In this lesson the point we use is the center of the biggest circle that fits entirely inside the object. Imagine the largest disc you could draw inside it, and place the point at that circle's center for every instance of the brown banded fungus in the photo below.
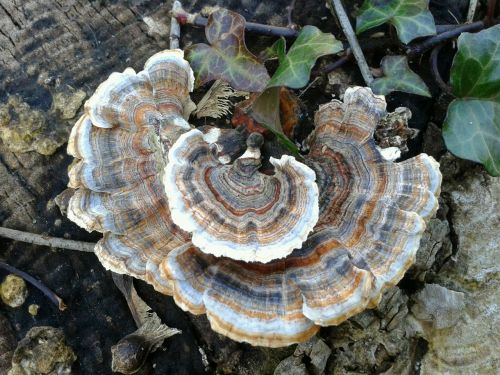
(268, 258)
(234, 210)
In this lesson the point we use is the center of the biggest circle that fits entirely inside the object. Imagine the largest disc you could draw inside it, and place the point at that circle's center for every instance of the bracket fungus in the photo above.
(235, 210)
(268, 258)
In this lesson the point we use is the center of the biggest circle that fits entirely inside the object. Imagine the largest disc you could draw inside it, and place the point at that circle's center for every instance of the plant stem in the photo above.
(196, 19)
(490, 12)
(54, 298)
(38, 239)
(435, 70)
(334, 65)
(175, 28)
(289, 12)
(351, 38)
(472, 11)
(418, 49)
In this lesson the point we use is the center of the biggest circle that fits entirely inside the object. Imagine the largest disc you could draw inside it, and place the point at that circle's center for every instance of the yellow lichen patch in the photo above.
(67, 104)
(13, 291)
(24, 129)
(33, 309)
(42, 351)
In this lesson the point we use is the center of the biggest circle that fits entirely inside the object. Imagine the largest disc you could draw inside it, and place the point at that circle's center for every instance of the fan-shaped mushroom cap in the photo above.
(372, 215)
(120, 145)
(271, 304)
(373, 206)
(234, 210)
(139, 165)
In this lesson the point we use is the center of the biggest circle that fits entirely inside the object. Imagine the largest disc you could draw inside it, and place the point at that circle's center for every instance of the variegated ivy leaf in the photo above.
(471, 129)
(227, 57)
(411, 18)
(295, 67)
(398, 77)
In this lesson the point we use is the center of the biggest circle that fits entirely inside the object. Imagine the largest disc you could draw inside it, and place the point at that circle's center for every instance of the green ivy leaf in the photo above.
(293, 71)
(411, 18)
(471, 129)
(295, 67)
(476, 67)
(227, 58)
(277, 50)
(398, 77)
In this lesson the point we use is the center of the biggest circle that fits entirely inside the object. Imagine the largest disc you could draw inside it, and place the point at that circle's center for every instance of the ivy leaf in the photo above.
(227, 57)
(265, 109)
(277, 50)
(476, 67)
(398, 77)
(293, 71)
(411, 18)
(295, 67)
(471, 129)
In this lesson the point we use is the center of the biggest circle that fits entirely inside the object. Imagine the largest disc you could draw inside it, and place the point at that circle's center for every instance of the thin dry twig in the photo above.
(308, 87)
(196, 19)
(38, 239)
(472, 11)
(418, 49)
(337, 8)
(490, 13)
(54, 298)
(334, 65)
(289, 12)
(175, 28)
(435, 70)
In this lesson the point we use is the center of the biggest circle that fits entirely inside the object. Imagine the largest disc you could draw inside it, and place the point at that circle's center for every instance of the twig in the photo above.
(289, 11)
(435, 70)
(175, 28)
(490, 13)
(38, 239)
(54, 298)
(453, 16)
(334, 65)
(472, 11)
(418, 49)
(442, 28)
(351, 38)
(196, 19)
(308, 87)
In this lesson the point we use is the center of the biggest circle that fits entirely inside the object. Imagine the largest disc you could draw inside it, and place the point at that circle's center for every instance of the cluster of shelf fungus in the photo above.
(268, 258)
